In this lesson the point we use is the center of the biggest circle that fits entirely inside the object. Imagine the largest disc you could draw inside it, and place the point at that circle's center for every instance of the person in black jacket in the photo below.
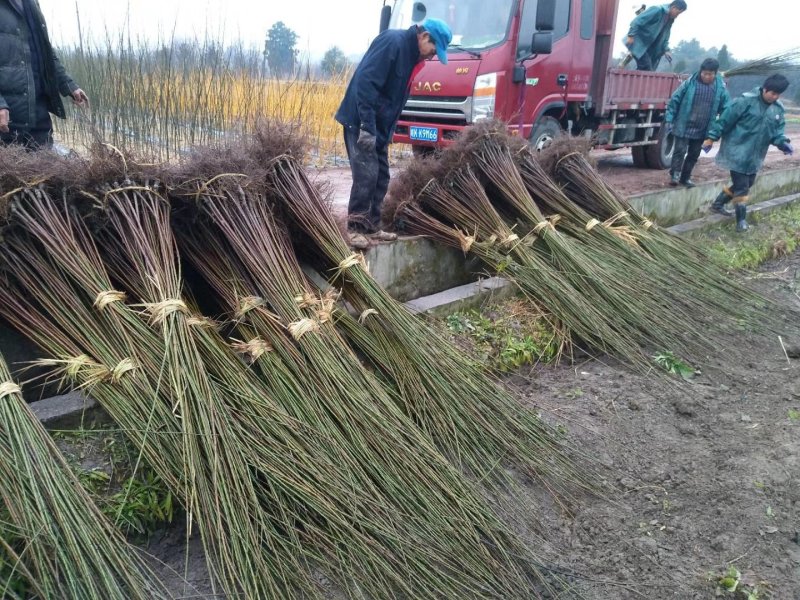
(32, 80)
(369, 112)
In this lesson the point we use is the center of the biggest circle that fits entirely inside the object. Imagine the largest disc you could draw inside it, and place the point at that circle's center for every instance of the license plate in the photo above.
(425, 134)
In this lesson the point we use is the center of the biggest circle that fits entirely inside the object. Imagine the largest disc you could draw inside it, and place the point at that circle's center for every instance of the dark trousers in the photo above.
(32, 138)
(370, 181)
(741, 184)
(645, 63)
(684, 156)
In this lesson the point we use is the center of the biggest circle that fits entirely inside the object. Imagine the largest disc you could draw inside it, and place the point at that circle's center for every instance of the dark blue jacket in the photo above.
(379, 88)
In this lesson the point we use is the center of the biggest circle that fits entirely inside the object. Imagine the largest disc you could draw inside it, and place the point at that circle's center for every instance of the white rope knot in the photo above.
(125, 366)
(354, 260)
(511, 240)
(9, 388)
(367, 313)
(104, 299)
(466, 242)
(306, 300)
(159, 311)
(300, 328)
(592, 224)
(200, 322)
(613, 220)
(647, 224)
(541, 226)
(249, 304)
(554, 220)
(254, 349)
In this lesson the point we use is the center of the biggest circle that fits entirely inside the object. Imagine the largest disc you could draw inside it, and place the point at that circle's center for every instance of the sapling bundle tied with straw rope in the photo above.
(598, 247)
(471, 419)
(780, 62)
(52, 536)
(278, 487)
(689, 276)
(245, 252)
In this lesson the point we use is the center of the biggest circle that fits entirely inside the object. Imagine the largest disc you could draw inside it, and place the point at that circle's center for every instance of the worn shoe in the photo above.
(383, 236)
(358, 241)
(674, 179)
(741, 218)
(718, 206)
(688, 183)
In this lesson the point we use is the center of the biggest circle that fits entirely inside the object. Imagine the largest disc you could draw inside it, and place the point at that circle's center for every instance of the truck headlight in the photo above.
(484, 97)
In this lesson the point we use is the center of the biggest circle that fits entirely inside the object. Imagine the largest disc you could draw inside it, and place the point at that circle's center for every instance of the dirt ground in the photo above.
(706, 475)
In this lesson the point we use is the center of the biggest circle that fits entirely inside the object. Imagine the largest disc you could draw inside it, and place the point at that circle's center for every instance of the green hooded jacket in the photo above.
(679, 109)
(747, 128)
(650, 31)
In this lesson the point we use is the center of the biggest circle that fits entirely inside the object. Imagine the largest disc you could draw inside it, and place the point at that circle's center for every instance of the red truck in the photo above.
(543, 66)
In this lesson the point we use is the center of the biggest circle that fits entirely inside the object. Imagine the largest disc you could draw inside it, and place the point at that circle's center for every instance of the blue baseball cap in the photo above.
(441, 36)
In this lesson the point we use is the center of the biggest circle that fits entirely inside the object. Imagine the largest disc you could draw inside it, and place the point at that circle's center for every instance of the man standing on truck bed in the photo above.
(747, 128)
(369, 112)
(648, 36)
(694, 106)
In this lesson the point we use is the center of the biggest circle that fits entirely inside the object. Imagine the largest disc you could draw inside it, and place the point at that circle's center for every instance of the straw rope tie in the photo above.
(159, 311)
(511, 240)
(202, 322)
(306, 300)
(613, 220)
(300, 328)
(249, 304)
(326, 305)
(367, 313)
(9, 388)
(125, 366)
(647, 224)
(592, 224)
(466, 242)
(104, 299)
(354, 260)
(255, 348)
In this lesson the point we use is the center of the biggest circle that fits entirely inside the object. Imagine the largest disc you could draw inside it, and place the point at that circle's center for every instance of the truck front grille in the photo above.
(425, 109)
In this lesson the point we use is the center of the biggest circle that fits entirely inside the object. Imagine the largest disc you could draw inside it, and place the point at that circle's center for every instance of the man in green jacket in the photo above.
(32, 80)
(747, 128)
(648, 35)
(694, 106)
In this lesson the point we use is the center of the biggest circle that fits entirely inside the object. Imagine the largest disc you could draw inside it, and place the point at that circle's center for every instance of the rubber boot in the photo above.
(741, 217)
(718, 206)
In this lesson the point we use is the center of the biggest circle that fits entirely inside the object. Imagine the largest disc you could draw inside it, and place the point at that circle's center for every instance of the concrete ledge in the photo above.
(713, 219)
(679, 205)
(414, 266)
(464, 297)
(69, 411)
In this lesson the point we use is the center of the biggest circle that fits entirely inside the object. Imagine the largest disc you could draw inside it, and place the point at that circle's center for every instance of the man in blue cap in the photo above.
(369, 112)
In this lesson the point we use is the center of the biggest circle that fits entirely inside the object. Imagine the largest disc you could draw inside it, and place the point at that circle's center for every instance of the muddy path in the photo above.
(703, 475)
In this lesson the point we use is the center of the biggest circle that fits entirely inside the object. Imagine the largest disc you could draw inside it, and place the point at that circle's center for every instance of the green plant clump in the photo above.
(506, 337)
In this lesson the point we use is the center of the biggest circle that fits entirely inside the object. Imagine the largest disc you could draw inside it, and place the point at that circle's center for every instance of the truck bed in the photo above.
(627, 89)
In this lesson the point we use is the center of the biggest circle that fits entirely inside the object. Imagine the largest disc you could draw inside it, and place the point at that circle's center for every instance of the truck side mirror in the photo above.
(546, 15)
(386, 14)
(419, 13)
(542, 42)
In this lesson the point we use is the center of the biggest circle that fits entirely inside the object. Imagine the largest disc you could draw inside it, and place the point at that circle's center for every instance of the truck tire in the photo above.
(639, 155)
(659, 155)
(544, 131)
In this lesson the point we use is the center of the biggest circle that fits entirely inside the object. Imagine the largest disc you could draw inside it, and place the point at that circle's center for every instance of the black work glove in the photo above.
(366, 141)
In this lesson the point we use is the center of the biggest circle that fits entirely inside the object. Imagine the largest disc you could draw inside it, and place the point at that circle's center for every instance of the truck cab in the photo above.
(542, 66)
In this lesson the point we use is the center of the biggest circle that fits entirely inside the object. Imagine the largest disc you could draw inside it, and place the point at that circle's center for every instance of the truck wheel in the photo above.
(544, 131)
(659, 155)
(639, 156)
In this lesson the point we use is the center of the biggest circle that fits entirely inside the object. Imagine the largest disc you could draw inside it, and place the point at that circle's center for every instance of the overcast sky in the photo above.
(751, 29)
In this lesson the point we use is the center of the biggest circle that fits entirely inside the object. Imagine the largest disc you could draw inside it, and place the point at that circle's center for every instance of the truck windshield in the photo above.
(476, 24)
